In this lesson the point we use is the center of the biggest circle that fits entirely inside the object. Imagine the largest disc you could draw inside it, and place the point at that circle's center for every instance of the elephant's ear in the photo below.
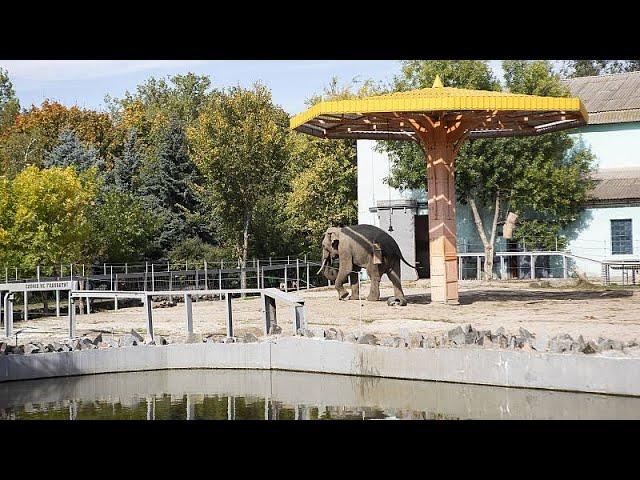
(334, 237)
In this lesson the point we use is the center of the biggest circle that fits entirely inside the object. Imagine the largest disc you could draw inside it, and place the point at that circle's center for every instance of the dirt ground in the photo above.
(560, 308)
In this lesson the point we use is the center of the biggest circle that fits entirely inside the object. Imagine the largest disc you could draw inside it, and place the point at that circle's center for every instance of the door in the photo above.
(421, 228)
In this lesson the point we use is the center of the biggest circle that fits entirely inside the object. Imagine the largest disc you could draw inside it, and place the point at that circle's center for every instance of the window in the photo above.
(621, 241)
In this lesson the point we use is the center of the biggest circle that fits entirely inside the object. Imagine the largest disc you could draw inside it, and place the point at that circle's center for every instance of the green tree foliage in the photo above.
(44, 217)
(585, 68)
(122, 228)
(240, 147)
(544, 179)
(124, 174)
(9, 104)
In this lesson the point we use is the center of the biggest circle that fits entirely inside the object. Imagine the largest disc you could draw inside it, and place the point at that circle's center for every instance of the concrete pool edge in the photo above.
(504, 368)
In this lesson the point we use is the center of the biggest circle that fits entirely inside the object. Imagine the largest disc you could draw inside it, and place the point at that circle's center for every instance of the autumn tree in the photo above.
(239, 143)
(44, 217)
(584, 68)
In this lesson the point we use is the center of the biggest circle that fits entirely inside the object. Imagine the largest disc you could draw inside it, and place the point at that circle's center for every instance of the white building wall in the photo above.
(615, 145)
(594, 241)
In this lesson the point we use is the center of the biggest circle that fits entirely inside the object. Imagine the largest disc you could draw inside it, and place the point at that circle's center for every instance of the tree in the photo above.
(544, 179)
(71, 152)
(584, 68)
(37, 131)
(9, 104)
(122, 229)
(124, 174)
(166, 185)
(239, 143)
(45, 216)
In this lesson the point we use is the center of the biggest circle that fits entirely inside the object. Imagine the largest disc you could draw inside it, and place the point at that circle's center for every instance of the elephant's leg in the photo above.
(395, 276)
(343, 273)
(374, 274)
(355, 286)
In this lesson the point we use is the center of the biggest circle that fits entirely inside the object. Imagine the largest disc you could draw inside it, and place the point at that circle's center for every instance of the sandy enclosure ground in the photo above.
(553, 310)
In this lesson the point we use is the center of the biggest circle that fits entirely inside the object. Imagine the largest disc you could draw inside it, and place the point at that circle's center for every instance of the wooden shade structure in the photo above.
(440, 119)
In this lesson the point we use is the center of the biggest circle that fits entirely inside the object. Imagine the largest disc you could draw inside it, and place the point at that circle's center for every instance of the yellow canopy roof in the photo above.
(385, 117)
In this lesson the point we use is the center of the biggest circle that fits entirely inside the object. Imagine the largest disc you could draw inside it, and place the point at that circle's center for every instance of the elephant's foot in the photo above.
(397, 301)
(343, 295)
(373, 298)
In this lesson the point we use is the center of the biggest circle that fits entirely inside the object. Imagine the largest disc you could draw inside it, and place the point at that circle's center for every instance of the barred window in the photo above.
(621, 241)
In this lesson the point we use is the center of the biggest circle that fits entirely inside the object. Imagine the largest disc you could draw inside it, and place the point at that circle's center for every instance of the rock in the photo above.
(305, 332)
(396, 302)
(4, 348)
(405, 334)
(415, 340)
(526, 347)
(139, 338)
(331, 334)
(250, 338)
(485, 340)
(160, 340)
(591, 347)
(49, 348)
(526, 334)
(457, 336)
(368, 339)
(64, 348)
(275, 329)
(56, 346)
(128, 340)
(387, 342)
(194, 338)
(428, 342)
(501, 331)
(30, 348)
(351, 338)
(17, 350)
(98, 339)
(631, 344)
(76, 344)
(229, 340)
(541, 342)
(319, 332)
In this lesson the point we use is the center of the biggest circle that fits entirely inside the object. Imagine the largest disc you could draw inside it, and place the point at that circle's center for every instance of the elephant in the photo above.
(355, 247)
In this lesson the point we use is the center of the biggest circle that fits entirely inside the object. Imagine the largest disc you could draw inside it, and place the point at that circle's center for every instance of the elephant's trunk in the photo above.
(324, 261)
(330, 273)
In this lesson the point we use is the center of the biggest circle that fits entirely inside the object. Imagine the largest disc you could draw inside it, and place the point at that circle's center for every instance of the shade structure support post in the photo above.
(440, 141)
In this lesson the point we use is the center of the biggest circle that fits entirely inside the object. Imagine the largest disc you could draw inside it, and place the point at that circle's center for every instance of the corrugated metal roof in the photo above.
(613, 98)
(616, 184)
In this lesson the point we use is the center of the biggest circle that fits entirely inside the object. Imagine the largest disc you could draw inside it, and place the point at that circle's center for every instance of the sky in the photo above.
(85, 83)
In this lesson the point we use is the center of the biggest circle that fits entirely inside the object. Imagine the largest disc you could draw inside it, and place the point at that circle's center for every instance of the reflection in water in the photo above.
(256, 395)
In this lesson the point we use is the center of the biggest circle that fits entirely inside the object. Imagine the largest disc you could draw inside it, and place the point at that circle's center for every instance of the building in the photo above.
(608, 230)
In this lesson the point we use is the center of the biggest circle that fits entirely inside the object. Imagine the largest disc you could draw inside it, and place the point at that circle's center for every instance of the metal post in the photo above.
(220, 280)
(115, 288)
(502, 269)
(269, 313)
(297, 274)
(25, 313)
(229, 315)
(188, 312)
(287, 259)
(38, 273)
(478, 268)
(83, 269)
(126, 268)
(533, 267)
(16, 274)
(111, 275)
(206, 281)
(286, 286)
(308, 279)
(269, 261)
(300, 318)
(149, 310)
(57, 303)
(258, 274)
(104, 269)
(459, 268)
(71, 272)
(146, 270)
(153, 278)
(564, 266)
(8, 314)
(6, 274)
(72, 316)
(197, 284)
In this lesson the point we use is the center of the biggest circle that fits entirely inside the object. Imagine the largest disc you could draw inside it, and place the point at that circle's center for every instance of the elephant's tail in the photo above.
(407, 263)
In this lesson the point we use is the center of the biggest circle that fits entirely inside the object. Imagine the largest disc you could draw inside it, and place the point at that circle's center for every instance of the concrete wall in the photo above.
(583, 373)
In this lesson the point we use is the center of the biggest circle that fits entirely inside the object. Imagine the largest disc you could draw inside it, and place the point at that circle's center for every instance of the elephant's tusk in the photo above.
(321, 266)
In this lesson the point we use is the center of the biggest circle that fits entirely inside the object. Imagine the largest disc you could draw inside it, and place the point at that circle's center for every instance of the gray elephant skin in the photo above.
(357, 247)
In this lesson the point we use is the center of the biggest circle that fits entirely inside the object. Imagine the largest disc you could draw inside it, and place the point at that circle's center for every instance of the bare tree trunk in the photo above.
(244, 251)
(489, 244)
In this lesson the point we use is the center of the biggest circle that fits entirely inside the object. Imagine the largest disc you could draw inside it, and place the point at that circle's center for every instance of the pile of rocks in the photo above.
(468, 336)
(130, 339)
